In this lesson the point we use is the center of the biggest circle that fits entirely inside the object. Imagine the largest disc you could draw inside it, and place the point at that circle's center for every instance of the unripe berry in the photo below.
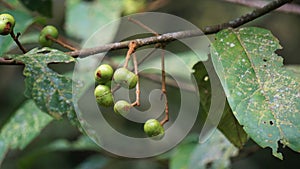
(125, 78)
(7, 23)
(103, 74)
(48, 30)
(122, 107)
(103, 96)
(108, 84)
(153, 128)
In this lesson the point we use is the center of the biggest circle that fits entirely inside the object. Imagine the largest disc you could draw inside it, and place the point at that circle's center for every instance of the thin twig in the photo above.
(247, 18)
(16, 39)
(287, 8)
(4, 61)
(168, 37)
(147, 28)
(61, 43)
(137, 88)
(163, 88)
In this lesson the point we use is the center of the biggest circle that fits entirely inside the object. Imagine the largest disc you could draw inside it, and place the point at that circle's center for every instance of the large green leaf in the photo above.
(23, 21)
(215, 153)
(85, 18)
(24, 126)
(264, 96)
(51, 91)
(228, 124)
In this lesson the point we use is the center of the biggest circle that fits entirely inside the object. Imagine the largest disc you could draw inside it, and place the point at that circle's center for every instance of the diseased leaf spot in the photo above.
(266, 100)
(52, 92)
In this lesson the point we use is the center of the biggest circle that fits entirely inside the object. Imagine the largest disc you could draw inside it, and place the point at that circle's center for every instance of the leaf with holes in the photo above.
(264, 96)
(51, 91)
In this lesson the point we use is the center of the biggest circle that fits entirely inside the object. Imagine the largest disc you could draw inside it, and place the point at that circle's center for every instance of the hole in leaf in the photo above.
(265, 60)
(271, 122)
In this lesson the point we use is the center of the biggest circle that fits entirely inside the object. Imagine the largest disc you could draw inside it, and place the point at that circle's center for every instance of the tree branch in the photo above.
(288, 8)
(168, 37)
(4, 61)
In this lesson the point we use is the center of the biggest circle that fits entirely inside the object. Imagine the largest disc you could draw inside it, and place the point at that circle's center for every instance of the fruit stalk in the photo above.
(16, 39)
(61, 43)
(137, 89)
(163, 88)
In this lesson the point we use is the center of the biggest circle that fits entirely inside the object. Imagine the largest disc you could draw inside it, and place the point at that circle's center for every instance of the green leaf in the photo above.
(214, 154)
(295, 69)
(182, 153)
(22, 128)
(51, 91)
(43, 7)
(263, 95)
(82, 143)
(23, 21)
(85, 18)
(228, 124)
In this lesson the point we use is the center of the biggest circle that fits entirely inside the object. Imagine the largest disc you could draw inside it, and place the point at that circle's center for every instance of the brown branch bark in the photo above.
(168, 37)
(287, 8)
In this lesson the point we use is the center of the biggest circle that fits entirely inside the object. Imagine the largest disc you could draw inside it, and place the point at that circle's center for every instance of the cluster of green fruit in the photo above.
(104, 75)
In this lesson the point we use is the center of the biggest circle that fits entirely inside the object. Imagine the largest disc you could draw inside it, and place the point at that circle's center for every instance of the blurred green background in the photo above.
(201, 13)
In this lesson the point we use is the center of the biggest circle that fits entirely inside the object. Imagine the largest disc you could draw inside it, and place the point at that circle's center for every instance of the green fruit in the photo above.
(7, 24)
(122, 107)
(103, 74)
(153, 128)
(103, 96)
(125, 78)
(48, 30)
(108, 84)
